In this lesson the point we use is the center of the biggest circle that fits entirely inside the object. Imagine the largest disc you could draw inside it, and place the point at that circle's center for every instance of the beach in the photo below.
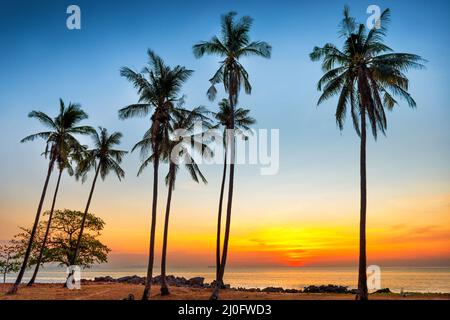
(397, 279)
(120, 291)
(235, 151)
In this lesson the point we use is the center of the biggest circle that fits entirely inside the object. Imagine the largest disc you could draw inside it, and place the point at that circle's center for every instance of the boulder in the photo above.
(172, 281)
(123, 279)
(292, 291)
(223, 286)
(331, 288)
(384, 290)
(104, 279)
(196, 281)
(180, 281)
(132, 279)
(273, 289)
(136, 280)
(156, 280)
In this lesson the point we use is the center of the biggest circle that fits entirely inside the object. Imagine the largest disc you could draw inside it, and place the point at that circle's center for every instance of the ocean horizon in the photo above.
(397, 279)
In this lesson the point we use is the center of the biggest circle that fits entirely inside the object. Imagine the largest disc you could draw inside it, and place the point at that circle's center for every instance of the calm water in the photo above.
(396, 278)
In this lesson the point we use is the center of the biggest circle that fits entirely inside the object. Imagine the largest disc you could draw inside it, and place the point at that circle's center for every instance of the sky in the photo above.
(305, 215)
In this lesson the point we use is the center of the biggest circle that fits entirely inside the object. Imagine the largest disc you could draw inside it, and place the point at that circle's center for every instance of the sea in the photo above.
(397, 279)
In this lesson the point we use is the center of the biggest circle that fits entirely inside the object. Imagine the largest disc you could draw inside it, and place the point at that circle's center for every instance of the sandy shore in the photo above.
(118, 291)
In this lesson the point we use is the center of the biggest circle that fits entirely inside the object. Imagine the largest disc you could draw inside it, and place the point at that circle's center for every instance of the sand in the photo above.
(118, 291)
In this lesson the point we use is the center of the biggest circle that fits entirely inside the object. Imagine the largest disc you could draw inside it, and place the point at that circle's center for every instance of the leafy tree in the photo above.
(366, 75)
(233, 44)
(9, 261)
(62, 240)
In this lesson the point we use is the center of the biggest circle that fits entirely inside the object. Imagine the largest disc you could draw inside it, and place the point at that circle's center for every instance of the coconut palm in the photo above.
(103, 159)
(179, 150)
(242, 123)
(59, 139)
(366, 75)
(66, 152)
(234, 44)
(158, 86)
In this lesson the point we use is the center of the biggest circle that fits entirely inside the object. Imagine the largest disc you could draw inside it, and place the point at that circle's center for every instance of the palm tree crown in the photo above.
(366, 74)
(241, 116)
(60, 140)
(182, 146)
(233, 44)
(159, 88)
(103, 157)
(178, 147)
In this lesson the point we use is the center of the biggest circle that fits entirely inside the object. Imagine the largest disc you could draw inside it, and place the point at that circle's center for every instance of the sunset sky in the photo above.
(308, 213)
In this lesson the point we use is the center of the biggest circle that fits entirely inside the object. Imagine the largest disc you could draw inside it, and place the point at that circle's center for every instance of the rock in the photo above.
(384, 290)
(292, 291)
(273, 289)
(124, 279)
(137, 280)
(104, 279)
(132, 279)
(172, 281)
(196, 281)
(223, 286)
(178, 281)
(326, 289)
(130, 297)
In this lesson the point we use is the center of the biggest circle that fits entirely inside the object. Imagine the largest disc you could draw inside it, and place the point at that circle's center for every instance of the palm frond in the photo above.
(135, 110)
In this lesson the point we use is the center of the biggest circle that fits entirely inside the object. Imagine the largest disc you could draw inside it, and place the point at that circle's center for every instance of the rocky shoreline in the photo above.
(199, 282)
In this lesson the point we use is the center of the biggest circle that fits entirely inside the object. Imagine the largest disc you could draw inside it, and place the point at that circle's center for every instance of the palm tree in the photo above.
(178, 151)
(158, 86)
(234, 44)
(67, 150)
(242, 122)
(59, 138)
(104, 159)
(366, 75)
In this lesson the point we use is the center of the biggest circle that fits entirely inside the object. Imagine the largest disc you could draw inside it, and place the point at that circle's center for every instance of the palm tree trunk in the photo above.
(219, 216)
(83, 221)
(151, 256)
(44, 242)
(164, 286)
(362, 276)
(231, 139)
(15, 286)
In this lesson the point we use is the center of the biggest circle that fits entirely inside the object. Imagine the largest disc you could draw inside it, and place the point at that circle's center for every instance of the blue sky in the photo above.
(41, 61)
